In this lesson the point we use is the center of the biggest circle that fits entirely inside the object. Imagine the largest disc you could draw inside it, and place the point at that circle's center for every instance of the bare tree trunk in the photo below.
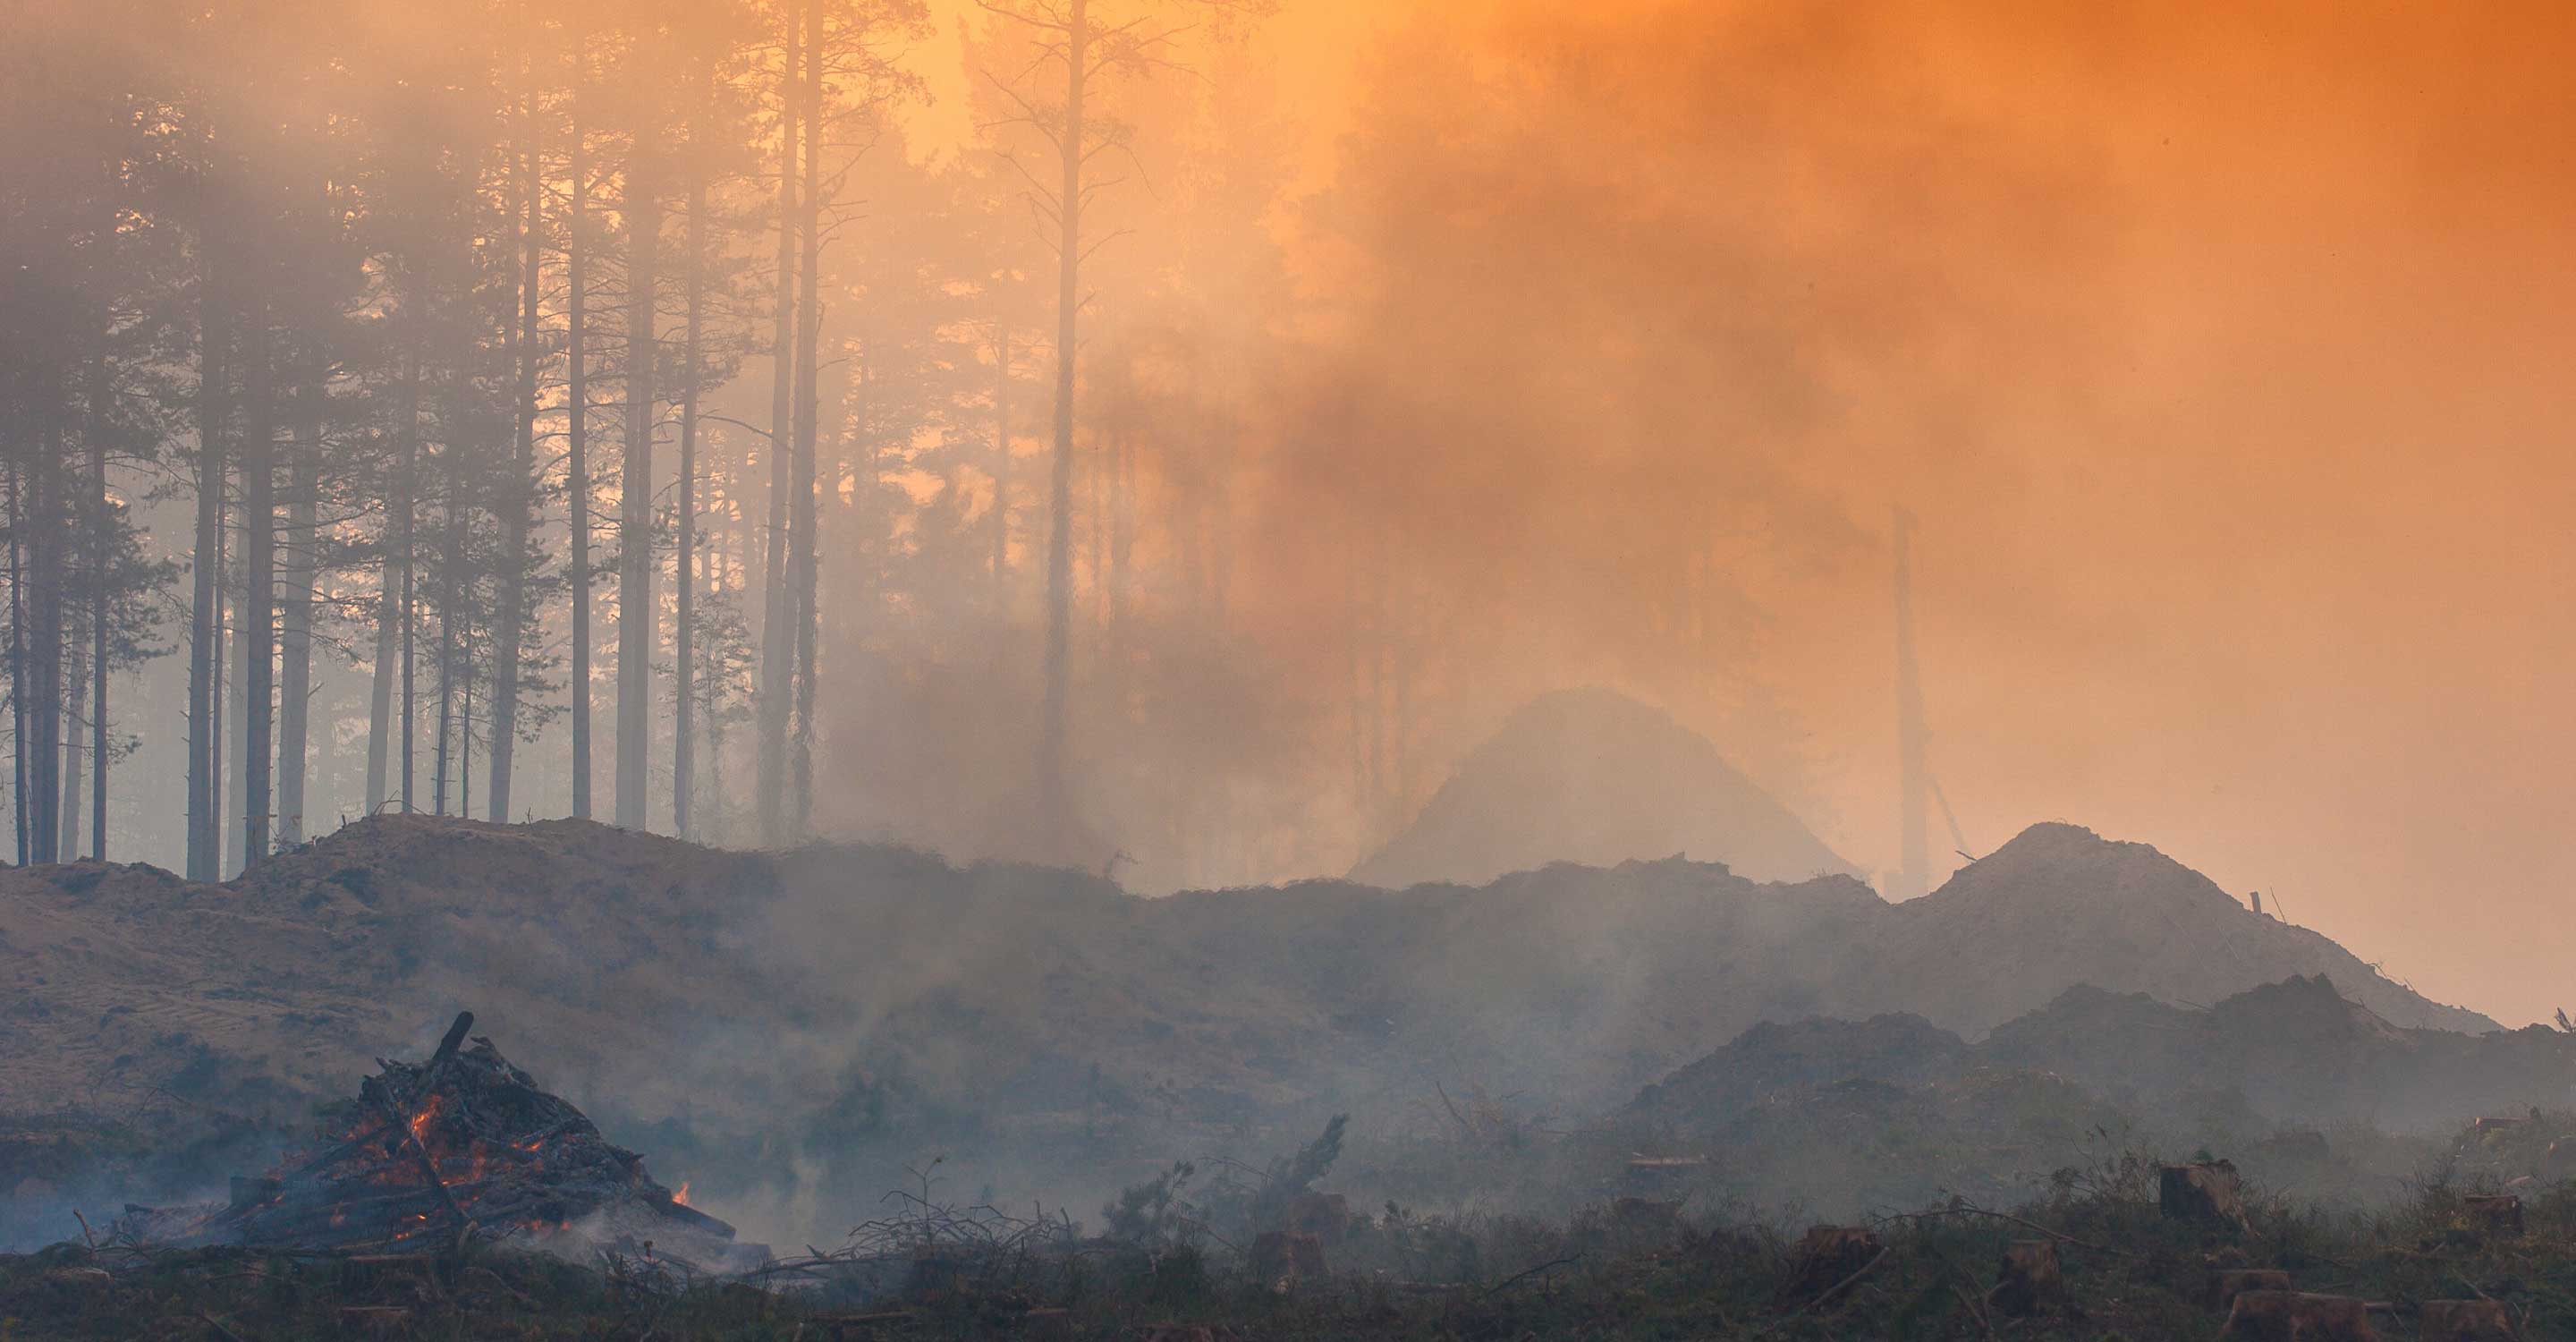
(408, 716)
(776, 649)
(451, 600)
(24, 817)
(1054, 800)
(393, 597)
(577, 465)
(102, 548)
(635, 613)
(1001, 468)
(295, 610)
(510, 611)
(259, 586)
(46, 572)
(205, 832)
(69, 845)
(809, 339)
(685, 580)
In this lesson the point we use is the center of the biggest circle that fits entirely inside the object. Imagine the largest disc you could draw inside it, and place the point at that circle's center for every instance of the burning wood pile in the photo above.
(462, 1146)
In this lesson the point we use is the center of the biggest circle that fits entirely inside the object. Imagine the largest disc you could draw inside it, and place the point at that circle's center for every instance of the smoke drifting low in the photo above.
(1595, 349)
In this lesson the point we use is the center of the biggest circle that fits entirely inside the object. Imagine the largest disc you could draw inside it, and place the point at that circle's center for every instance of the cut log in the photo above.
(2466, 1321)
(447, 1046)
(2294, 1316)
(2227, 1284)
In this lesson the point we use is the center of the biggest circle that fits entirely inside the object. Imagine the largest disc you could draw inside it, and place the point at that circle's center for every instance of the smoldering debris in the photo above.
(461, 1146)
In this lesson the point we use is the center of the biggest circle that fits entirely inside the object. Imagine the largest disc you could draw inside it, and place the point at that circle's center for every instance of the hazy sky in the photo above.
(2223, 351)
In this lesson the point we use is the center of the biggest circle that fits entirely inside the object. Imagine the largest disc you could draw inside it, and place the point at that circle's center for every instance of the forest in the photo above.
(557, 406)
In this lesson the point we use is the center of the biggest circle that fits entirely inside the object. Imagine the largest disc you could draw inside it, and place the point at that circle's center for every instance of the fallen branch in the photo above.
(1829, 1292)
(1518, 1277)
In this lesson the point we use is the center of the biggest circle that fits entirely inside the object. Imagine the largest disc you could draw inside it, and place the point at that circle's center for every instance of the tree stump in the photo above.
(1326, 1216)
(1826, 1256)
(2466, 1321)
(1649, 1217)
(2294, 1316)
(2227, 1284)
(2205, 1191)
(1287, 1255)
(2497, 1215)
(2029, 1277)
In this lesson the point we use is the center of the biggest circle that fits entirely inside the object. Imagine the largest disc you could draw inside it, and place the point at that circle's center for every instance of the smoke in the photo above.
(1594, 348)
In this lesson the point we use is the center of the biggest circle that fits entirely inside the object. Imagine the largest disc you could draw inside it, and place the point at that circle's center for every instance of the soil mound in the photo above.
(731, 1010)
(1594, 777)
(2061, 906)
(2296, 1051)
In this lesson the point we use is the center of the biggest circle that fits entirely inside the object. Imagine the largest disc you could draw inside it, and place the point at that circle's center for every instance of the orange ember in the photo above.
(420, 1121)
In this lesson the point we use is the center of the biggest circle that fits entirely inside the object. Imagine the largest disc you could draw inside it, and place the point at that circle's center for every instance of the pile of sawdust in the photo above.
(1595, 777)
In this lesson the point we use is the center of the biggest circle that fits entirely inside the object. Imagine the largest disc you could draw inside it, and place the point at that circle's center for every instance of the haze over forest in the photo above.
(1428, 358)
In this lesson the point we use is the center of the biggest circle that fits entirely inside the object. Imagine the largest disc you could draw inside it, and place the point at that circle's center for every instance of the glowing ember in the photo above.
(420, 1121)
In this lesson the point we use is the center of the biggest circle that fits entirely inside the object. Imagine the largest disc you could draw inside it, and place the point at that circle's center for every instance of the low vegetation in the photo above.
(1245, 1253)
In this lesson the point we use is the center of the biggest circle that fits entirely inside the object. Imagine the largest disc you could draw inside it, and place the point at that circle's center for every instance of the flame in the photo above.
(682, 1197)
(420, 1121)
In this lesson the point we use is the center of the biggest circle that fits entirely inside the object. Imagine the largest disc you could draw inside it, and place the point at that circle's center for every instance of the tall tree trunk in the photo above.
(19, 819)
(685, 579)
(214, 412)
(809, 340)
(259, 585)
(227, 610)
(74, 709)
(577, 463)
(777, 650)
(393, 597)
(451, 598)
(296, 575)
(635, 613)
(510, 611)
(1122, 531)
(1001, 469)
(103, 521)
(43, 683)
(1055, 803)
(407, 716)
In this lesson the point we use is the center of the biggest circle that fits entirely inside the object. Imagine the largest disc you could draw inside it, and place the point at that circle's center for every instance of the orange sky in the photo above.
(2223, 351)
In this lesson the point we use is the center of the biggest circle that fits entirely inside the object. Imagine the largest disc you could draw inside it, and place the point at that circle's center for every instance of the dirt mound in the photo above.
(732, 1010)
(2060, 906)
(1772, 1059)
(1595, 777)
(2295, 1052)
